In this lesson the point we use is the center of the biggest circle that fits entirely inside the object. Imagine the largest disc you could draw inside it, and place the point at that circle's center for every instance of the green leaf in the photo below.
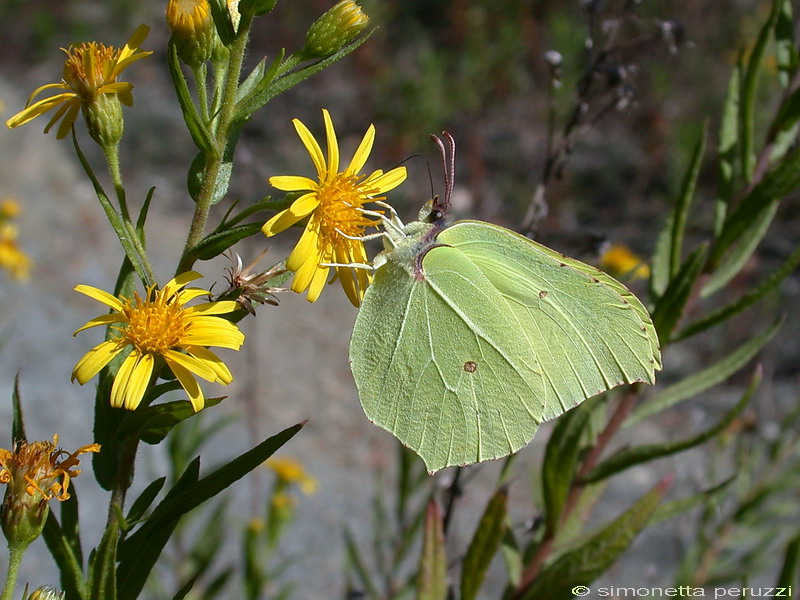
(139, 552)
(659, 267)
(682, 203)
(259, 80)
(17, 422)
(432, 584)
(726, 152)
(153, 423)
(749, 90)
(755, 294)
(261, 96)
(201, 136)
(512, 555)
(102, 575)
(484, 545)
(669, 308)
(730, 266)
(785, 50)
(144, 500)
(581, 565)
(70, 525)
(216, 243)
(357, 562)
(790, 571)
(669, 510)
(69, 565)
(629, 457)
(703, 380)
(776, 184)
(560, 460)
(222, 21)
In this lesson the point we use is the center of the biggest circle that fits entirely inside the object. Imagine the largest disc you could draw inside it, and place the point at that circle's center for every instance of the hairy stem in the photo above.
(15, 554)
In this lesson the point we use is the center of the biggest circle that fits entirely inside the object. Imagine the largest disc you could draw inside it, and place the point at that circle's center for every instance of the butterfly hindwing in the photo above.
(439, 363)
(587, 330)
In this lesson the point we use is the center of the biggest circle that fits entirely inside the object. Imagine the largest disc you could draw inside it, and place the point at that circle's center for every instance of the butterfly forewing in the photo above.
(587, 330)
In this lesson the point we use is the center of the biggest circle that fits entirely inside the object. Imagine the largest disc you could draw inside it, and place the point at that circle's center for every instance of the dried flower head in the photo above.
(252, 287)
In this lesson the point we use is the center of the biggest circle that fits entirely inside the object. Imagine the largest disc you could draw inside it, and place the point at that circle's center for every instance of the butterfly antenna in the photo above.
(449, 165)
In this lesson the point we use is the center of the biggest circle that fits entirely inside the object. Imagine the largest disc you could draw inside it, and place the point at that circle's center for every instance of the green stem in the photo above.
(222, 129)
(15, 554)
(112, 158)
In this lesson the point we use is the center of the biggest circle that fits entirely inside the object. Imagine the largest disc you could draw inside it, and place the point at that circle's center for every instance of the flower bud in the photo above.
(104, 119)
(46, 592)
(193, 30)
(335, 29)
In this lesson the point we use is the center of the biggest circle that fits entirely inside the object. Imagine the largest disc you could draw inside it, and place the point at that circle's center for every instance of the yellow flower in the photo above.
(333, 205)
(34, 473)
(290, 471)
(159, 326)
(12, 258)
(619, 260)
(90, 72)
(9, 208)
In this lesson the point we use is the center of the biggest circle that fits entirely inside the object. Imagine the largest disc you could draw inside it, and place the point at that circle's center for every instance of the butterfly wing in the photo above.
(439, 363)
(588, 332)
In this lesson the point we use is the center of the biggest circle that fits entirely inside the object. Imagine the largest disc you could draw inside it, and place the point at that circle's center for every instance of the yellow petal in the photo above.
(138, 380)
(362, 152)
(386, 181)
(100, 296)
(196, 366)
(67, 122)
(307, 246)
(304, 275)
(292, 183)
(213, 308)
(333, 144)
(312, 146)
(286, 218)
(176, 283)
(137, 37)
(189, 294)
(121, 380)
(317, 283)
(213, 331)
(40, 107)
(190, 385)
(94, 360)
(114, 317)
(213, 361)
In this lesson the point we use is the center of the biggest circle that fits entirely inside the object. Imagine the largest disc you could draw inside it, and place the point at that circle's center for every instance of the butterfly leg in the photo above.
(362, 238)
(395, 217)
(387, 223)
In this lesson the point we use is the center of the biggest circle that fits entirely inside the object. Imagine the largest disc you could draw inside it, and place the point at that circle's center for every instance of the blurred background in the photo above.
(605, 127)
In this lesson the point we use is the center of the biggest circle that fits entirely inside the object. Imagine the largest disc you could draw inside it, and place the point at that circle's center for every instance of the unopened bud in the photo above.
(193, 30)
(104, 119)
(335, 29)
(46, 592)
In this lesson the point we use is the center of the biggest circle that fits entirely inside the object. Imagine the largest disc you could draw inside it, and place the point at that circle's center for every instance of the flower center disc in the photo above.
(154, 326)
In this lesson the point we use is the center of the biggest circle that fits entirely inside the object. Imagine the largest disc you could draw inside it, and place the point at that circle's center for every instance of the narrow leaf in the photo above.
(703, 380)
(669, 308)
(70, 526)
(749, 90)
(790, 571)
(629, 457)
(755, 294)
(484, 545)
(18, 422)
(581, 565)
(785, 50)
(102, 575)
(512, 555)
(261, 96)
(153, 423)
(222, 21)
(201, 136)
(251, 88)
(776, 184)
(682, 203)
(726, 152)
(355, 560)
(560, 460)
(730, 266)
(215, 244)
(69, 567)
(659, 267)
(139, 552)
(669, 510)
(145, 500)
(432, 584)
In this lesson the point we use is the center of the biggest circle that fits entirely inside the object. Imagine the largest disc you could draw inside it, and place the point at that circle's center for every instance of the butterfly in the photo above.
(472, 335)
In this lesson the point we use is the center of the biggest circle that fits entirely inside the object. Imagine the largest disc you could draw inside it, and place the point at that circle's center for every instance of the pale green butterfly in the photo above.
(471, 336)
